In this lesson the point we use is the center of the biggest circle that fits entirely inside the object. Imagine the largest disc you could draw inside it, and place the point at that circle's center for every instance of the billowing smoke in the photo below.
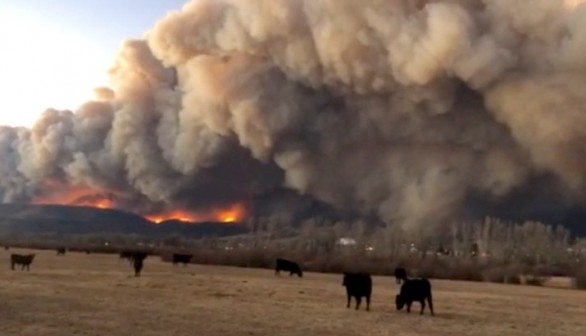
(408, 109)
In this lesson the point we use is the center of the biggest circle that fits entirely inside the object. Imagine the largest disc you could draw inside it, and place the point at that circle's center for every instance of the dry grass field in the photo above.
(80, 294)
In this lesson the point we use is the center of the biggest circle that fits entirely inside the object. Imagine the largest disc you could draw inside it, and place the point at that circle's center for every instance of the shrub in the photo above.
(580, 276)
(495, 274)
(580, 282)
(514, 279)
(534, 280)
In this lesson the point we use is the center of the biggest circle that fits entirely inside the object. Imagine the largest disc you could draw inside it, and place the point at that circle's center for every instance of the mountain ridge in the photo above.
(79, 220)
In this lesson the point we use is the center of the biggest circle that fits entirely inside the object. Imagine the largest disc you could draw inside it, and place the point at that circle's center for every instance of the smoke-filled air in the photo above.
(416, 111)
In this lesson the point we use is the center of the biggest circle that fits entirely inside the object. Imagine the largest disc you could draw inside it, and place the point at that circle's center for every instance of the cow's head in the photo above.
(399, 303)
(345, 281)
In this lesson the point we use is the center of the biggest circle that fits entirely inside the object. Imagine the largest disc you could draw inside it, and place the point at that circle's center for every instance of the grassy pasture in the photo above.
(96, 294)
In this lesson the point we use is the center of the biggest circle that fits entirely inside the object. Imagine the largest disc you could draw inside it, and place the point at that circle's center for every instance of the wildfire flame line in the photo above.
(232, 214)
(81, 196)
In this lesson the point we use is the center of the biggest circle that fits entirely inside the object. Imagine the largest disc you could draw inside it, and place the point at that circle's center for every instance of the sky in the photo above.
(55, 52)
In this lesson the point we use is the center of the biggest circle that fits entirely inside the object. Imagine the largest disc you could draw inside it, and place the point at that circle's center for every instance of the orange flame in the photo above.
(176, 215)
(75, 195)
(62, 194)
(233, 214)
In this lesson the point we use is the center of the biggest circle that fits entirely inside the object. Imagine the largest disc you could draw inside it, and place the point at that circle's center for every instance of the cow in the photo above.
(414, 290)
(24, 260)
(287, 265)
(181, 258)
(137, 262)
(358, 285)
(61, 251)
(400, 275)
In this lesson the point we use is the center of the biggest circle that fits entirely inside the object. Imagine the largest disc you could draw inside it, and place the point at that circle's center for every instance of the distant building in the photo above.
(346, 241)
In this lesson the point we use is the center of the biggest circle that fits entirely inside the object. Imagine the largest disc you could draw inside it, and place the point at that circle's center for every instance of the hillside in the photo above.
(73, 220)
(68, 220)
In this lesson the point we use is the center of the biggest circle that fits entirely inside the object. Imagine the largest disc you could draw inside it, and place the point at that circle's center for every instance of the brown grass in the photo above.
(80, 294)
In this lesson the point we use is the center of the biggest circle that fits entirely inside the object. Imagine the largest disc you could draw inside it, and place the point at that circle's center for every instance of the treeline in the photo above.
(488, 250)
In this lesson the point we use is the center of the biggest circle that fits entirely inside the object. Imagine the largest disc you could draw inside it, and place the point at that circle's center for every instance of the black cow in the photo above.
(287, 265)
(414, 290)
(400, 275)
(61, 251)
(24, 260)
(181, 258)
(358, 285)
(137, 262)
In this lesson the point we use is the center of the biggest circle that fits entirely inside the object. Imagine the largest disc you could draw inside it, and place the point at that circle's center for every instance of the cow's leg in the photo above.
(368, 303)
(409, 307)
(349, 300)
(422, 306)
(430, 303)
(358, 301)
(290, 273)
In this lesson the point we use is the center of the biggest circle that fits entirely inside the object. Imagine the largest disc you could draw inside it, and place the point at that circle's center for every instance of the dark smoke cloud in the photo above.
(405, 109)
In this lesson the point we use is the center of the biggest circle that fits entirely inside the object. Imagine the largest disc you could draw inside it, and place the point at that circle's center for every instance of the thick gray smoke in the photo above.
(403, 108)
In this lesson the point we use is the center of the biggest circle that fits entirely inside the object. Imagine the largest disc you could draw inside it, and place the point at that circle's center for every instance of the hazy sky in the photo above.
(54, 52)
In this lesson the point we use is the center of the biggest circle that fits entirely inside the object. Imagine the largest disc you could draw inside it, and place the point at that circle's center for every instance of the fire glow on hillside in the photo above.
(233, 214)
(81, 196)
(76, 196)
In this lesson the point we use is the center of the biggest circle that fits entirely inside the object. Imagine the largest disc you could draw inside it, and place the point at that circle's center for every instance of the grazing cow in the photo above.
(400, 275)
(24, 260)
(181, 258)
(414, 290)
(137, 262)
(61, 251)
(287, 265)
(358, 285)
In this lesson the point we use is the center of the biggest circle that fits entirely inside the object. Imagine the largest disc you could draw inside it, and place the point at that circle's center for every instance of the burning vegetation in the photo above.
(231, 215)
(60, 194)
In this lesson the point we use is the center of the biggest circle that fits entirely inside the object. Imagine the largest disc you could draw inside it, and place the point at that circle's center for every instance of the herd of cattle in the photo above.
(358, 285)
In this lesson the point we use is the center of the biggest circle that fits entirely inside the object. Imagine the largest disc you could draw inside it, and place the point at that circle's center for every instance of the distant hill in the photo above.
(73, 220)
(59, 220)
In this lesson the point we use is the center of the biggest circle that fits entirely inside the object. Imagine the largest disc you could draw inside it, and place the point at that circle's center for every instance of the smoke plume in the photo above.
(406, 109)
